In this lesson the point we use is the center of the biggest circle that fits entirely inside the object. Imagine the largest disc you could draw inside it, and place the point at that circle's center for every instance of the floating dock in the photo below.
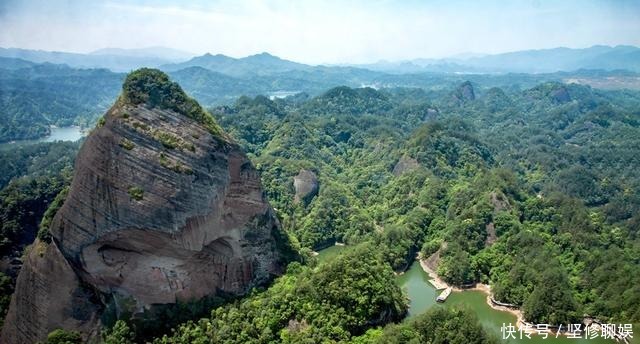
(444, 295)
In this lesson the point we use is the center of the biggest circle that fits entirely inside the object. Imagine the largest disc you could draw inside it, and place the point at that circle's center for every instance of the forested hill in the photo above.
(532, 190)
(35, 96)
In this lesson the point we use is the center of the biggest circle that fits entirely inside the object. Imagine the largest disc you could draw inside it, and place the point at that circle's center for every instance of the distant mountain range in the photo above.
(39, 88)
(163, 53)
(260, 64)
(117, 60)
(526, 61)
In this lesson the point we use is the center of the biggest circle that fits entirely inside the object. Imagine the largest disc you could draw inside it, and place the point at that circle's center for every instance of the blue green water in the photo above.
(57, 134)
(329, 252)
(64, 134)
(422, 296)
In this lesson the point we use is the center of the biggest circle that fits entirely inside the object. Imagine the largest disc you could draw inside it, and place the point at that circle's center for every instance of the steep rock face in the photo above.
(162, 208)
(48, 295)
(306, 185)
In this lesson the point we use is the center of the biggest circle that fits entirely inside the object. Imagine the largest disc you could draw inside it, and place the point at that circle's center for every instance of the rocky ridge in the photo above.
(164, 208)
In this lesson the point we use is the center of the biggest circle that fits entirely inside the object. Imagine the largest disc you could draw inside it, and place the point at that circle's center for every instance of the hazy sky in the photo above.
(319, 31)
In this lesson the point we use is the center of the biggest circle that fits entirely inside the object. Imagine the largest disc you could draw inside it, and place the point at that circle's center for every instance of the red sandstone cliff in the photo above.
(162, 208)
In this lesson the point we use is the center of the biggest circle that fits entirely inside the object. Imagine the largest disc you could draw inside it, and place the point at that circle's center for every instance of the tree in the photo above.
(119, 334)
(455, 266)
(61, 336)
(551, 301)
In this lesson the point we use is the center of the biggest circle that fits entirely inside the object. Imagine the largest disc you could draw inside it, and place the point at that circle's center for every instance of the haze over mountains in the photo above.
(117, 60)
(527, 61)
(157, 52)
(41, 88)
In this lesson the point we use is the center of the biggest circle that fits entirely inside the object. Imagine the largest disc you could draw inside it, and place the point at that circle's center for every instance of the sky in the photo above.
(313, 31)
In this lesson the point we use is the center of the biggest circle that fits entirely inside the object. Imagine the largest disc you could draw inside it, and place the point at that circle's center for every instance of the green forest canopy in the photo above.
(533, 191)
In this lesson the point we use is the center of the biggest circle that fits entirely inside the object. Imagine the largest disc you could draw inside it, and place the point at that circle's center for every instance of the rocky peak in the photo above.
(561, 95)
(464, 93)
(163, 208)
(153, 89)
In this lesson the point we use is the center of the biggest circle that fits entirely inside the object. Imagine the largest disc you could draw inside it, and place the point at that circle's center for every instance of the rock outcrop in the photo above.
(432, 114)
(306, 185)
(464, 93)
(405, 164)
(561, 95)
(163, 208)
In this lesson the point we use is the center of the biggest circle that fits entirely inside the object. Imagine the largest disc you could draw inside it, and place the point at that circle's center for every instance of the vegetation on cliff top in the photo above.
(153, 88)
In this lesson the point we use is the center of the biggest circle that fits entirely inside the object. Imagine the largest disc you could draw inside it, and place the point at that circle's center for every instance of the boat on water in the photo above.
(444, 295)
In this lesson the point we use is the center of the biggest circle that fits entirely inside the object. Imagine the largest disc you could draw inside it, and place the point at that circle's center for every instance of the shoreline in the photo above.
(436, 281)
(521, 323)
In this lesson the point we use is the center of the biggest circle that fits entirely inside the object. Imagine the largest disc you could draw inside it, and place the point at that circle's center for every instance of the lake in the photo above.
(329, 252)
(281, 94)
(57, 134)
(422, 296)
(63, 134)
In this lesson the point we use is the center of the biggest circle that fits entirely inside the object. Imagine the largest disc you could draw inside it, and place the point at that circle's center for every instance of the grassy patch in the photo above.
(176, 167)
(126, 144)
(167, 139)
(140, 126)
(172, 141)
(136, 193)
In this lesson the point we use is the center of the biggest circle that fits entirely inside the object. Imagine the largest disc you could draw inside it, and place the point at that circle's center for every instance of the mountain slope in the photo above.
(14, 63)
(35, 97)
